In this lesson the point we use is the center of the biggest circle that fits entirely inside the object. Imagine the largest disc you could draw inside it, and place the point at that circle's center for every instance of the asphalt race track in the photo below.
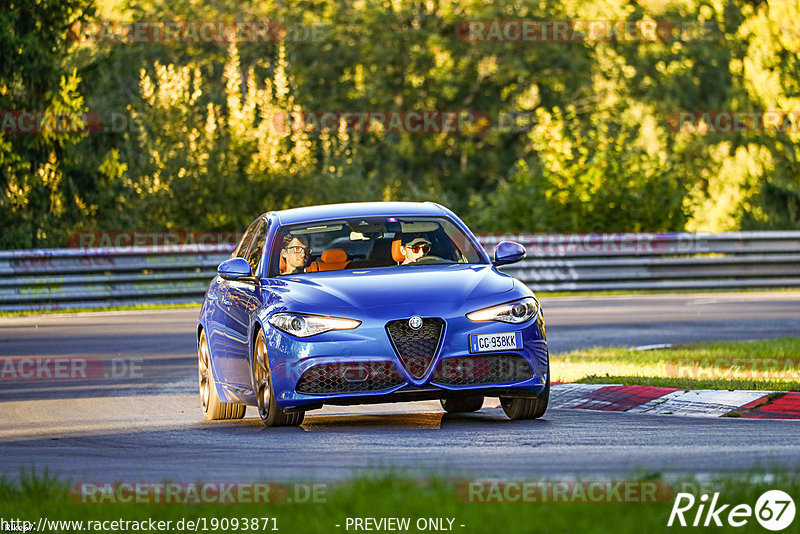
(142, 421)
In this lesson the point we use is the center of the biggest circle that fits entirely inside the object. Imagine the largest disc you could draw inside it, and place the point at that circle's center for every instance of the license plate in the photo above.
(494, 342)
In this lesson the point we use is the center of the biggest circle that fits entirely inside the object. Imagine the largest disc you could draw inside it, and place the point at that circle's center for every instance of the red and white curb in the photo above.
(671, 401)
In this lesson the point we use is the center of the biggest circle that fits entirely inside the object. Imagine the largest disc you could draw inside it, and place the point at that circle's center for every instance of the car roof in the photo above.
(357, 209)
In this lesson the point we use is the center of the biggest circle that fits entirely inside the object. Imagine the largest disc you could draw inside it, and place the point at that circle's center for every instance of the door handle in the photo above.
(226, 301)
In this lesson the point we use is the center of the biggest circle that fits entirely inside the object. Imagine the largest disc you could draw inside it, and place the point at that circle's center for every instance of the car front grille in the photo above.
(355, 377)
(481, 370)
(416, 348)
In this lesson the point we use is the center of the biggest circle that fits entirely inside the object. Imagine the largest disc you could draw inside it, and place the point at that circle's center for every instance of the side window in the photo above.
(256, 249)
(244, 243)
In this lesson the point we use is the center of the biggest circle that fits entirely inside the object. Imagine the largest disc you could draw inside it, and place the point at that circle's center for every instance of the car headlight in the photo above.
(515, 312)
(310, 325)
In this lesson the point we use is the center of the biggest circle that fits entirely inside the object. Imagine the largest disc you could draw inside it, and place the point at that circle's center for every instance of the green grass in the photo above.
(121, 307)
(398, 496)
(759, 365)
(687, 384)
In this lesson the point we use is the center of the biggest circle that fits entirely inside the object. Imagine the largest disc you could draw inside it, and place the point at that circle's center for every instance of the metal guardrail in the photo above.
(670, 261)
(98, 277)
(51, 279)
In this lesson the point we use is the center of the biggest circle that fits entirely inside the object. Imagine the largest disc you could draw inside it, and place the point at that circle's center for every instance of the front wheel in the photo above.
(519, 408)
(213, 408)
(271, 414)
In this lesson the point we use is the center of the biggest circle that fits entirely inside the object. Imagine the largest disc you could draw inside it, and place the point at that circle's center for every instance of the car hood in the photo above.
(436, 285)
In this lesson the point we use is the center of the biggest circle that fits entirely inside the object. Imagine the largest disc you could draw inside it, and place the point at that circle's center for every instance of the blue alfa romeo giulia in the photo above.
(368, 303)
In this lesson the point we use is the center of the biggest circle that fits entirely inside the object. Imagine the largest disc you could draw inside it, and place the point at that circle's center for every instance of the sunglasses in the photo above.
(417, 248)
(297, 250)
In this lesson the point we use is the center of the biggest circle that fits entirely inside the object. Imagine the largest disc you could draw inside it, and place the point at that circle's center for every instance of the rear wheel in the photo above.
(519, 408)
(462, 404)
(213, 408)
(271, 414)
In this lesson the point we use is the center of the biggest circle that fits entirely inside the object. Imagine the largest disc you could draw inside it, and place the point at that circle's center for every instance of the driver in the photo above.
(414, 248)
(295, 254)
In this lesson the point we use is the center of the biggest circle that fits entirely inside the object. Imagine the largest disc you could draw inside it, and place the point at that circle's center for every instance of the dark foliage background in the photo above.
(194, 145)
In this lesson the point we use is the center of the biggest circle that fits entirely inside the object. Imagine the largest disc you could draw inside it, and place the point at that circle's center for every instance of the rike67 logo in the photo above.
(774, 510)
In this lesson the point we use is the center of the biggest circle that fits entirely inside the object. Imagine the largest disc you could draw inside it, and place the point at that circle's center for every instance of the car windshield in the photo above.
(370, 242)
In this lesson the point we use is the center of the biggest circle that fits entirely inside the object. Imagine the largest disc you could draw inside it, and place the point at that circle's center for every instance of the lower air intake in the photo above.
(356, 377)
(482, 370)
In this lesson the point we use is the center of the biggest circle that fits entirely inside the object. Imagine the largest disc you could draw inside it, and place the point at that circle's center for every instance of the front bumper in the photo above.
(361, 366)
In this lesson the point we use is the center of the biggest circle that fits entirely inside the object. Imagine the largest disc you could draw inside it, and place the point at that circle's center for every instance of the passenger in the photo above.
(414, 248)
(295, 254)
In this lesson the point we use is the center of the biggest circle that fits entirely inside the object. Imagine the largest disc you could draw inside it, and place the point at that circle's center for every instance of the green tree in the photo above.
(39, 195)
(770, 72)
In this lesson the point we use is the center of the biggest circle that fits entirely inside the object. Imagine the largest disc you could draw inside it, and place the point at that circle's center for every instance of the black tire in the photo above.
(519, 408)
(271, 415)
(213, 408)
(462, 404)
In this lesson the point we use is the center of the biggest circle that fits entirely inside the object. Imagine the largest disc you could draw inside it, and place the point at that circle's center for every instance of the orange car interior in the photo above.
(397, 254)
(336, 259)
(333, 259)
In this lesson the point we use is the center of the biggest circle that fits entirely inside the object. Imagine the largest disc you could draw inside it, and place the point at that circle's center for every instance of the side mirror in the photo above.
(507, 252)
(237, 269)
